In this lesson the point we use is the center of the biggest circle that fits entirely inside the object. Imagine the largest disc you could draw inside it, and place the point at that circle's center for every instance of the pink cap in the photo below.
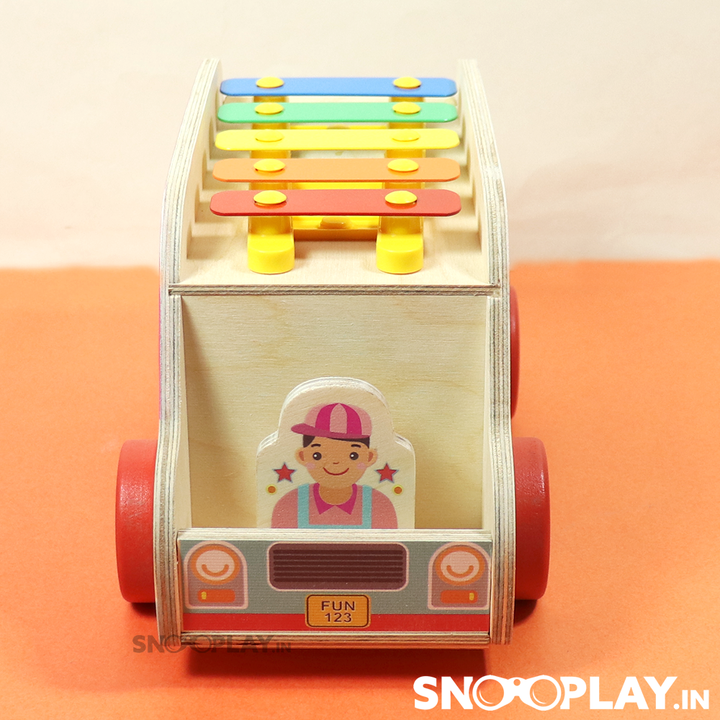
(337, 421)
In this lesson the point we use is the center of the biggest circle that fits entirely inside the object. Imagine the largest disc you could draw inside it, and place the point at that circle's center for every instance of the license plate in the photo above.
(337, 611)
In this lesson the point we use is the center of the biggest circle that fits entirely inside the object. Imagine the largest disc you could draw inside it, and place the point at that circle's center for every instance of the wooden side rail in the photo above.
(399, 247)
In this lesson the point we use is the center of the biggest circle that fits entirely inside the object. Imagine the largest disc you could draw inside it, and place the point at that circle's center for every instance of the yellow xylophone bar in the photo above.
(336, 139)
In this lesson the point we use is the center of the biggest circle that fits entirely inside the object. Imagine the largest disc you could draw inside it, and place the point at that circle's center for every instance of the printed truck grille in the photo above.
(341, 566)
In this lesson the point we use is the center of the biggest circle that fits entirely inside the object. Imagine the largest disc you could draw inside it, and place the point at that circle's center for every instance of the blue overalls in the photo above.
(304, 509)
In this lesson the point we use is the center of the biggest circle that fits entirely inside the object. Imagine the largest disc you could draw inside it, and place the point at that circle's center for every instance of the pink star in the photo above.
(284, 473)
(386, 473)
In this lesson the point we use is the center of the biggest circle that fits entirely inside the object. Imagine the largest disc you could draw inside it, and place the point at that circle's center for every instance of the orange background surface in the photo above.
(619, 378)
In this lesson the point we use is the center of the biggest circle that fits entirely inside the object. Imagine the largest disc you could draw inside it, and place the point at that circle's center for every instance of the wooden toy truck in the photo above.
(339, 362)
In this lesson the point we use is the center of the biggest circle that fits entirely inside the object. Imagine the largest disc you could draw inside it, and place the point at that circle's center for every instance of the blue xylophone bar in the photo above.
(367, 87)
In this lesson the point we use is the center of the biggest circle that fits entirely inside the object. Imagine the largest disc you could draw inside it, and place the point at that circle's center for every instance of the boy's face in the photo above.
(336, 463)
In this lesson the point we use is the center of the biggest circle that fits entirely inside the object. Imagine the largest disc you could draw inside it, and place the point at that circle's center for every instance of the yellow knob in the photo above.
(405, 135)
(403, 166)
(406, 108)
(401, 197)
(269, 197)
(406, 83)
(268, 136)
(269, 166)
(270, 81)
(269, 108)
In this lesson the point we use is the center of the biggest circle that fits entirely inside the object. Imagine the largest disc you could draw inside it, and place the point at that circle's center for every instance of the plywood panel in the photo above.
(425, 354)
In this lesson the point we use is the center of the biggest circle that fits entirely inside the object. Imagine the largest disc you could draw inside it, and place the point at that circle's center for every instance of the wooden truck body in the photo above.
(278, 328)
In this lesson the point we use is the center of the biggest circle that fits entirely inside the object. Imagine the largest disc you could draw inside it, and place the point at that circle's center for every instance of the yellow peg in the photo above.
(406, 83)
(269, 165)
(270, 197)
(405, 135)
(401, 197)
(268, 136)
(271, 81)
(403, 166)
(268, 108)
(406, 108)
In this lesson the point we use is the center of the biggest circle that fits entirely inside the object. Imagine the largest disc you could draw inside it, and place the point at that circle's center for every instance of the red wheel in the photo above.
(532, 507)
(134, 520)
(514, 350)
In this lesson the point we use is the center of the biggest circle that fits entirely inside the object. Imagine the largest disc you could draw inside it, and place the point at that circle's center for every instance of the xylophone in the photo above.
(339, 366)
(282, 128)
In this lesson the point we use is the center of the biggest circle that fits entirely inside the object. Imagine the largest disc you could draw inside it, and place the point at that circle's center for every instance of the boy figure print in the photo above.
(336, 453)
(341, 467)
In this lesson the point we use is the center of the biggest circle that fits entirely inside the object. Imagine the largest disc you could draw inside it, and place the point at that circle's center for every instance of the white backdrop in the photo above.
(606, 113)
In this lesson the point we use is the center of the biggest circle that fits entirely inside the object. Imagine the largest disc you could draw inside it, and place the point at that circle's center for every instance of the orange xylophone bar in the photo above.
(336, 170)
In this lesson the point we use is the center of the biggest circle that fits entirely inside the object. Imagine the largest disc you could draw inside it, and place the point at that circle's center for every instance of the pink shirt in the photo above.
(285, 514)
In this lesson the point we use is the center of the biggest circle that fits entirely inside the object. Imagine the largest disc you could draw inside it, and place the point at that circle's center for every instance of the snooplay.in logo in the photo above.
(543, 692)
